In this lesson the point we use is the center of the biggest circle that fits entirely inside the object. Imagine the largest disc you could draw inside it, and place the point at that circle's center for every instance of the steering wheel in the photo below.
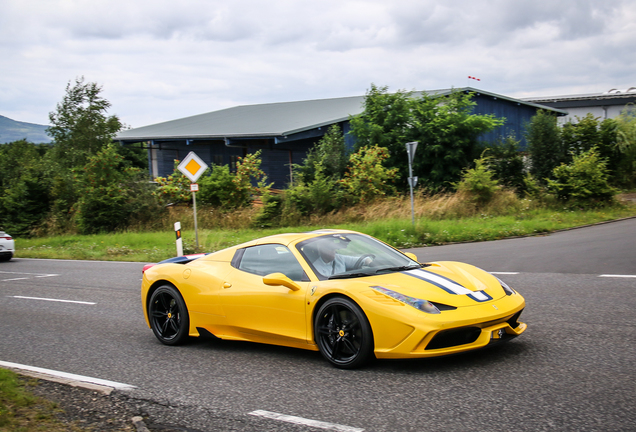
(358, 263)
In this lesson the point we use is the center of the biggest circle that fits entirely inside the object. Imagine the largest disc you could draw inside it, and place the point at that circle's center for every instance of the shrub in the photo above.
(174, 188)
(584, 182)
(248, 168)
(218, 188)
(366, 177)
(478, 183)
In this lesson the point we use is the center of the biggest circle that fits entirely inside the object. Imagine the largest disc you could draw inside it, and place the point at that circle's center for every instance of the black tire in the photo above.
(343, 333)
(168, 316)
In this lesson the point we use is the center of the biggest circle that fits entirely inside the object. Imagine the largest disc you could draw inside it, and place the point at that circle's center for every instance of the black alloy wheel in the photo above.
(168, 315)
(343, 333)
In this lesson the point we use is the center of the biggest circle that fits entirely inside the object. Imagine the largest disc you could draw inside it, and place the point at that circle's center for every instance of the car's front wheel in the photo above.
(343, 333)
(168, 315)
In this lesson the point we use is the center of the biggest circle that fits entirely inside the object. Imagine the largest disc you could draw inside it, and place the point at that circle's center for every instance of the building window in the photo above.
(233, 161)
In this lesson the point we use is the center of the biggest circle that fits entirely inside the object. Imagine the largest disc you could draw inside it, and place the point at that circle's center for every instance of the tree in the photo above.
(581, 136)
(113, 195)
(24, 187)
(316, 184)
(448, 133)
(329, 153)
(80, 127)
(545, 145)
(445, 127)
(506, 162)
(386, 121)
(626, 143)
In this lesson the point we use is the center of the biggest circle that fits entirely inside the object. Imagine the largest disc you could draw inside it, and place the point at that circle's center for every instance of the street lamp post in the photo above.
(410, 150)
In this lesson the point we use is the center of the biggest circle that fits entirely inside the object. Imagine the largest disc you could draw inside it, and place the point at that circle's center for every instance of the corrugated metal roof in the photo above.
(581, 97)
(269, 120)
(275, 119)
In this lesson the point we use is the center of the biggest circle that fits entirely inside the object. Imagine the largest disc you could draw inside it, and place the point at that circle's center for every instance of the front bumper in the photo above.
(453, 336)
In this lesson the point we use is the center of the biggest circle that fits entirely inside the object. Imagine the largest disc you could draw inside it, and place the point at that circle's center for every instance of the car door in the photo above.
(260, 312)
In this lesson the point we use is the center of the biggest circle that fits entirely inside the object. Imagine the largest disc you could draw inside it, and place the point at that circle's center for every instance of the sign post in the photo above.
(410, 150)
(192, 167)
(177, 231)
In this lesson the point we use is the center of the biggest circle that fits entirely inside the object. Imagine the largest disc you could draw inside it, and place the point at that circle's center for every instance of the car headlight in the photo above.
(419, 304)
(506, 288)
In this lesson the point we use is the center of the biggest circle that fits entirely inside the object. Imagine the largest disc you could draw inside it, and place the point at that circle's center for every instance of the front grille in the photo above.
(454, 337)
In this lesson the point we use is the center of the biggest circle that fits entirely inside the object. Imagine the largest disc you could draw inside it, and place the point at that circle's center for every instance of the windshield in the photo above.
(335, 256)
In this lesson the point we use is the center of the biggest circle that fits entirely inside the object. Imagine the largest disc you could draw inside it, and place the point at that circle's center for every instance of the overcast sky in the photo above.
(159, 60)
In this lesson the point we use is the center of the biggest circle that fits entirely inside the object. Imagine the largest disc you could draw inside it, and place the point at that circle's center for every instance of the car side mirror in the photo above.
(275, 279)
(411, 255)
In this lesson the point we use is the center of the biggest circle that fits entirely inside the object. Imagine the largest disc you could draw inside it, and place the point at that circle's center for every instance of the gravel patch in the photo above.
(101, 409)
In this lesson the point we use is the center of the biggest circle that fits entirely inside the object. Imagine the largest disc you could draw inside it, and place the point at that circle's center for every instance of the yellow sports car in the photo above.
(345, 294)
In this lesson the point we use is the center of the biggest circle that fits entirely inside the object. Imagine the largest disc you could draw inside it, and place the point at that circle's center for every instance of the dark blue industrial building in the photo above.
(286, 131)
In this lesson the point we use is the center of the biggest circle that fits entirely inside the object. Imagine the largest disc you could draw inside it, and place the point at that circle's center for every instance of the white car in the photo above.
(7, 246)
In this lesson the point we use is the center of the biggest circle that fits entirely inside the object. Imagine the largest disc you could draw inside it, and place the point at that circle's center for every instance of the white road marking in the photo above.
(53, 300)
(28, 275)
(66, 375)
(617, 276)
(305, 422)
(504, 273)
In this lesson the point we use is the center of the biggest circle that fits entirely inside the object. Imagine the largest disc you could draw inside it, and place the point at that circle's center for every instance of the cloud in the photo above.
(159, 60)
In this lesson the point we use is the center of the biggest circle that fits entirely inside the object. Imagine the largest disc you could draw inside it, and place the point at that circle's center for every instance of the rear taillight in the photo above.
(6, 237)
(147, 266)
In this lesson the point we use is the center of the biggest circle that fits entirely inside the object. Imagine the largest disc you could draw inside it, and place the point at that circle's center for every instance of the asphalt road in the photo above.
(573, 369)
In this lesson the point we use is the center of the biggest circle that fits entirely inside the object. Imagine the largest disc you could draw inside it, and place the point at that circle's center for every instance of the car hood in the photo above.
(451, 283)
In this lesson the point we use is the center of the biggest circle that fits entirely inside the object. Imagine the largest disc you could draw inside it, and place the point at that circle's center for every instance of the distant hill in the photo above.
(11, 130)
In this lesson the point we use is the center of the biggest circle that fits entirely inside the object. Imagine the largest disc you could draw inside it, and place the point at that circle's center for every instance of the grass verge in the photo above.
(21, 411)
(156, 246)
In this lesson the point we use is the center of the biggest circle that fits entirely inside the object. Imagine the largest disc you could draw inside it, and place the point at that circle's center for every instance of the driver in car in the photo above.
(330, 262)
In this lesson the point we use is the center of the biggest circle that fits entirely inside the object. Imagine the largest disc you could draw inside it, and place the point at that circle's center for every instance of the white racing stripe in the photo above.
(66, 375)
(53, 300)
(305, 422)
(447, 284)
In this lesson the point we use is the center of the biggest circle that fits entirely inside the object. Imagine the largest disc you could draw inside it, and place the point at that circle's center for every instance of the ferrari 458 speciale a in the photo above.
(345, 294)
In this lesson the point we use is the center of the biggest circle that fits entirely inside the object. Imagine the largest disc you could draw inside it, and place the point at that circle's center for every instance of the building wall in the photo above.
(601, 112)
(516, 117)
(275, 161)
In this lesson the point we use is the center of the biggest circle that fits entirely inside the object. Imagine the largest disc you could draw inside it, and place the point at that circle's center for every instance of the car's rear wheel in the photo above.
(343, 333)
(168, 315)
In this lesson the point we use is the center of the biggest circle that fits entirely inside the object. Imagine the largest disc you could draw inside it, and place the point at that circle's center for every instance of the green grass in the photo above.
(156, 246)
(21, 411)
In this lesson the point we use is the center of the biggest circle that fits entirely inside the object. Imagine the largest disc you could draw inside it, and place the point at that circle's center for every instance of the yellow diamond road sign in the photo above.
(192, 167)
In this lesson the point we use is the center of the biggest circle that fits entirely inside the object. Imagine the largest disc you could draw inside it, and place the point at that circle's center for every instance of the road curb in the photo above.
(137, 421)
